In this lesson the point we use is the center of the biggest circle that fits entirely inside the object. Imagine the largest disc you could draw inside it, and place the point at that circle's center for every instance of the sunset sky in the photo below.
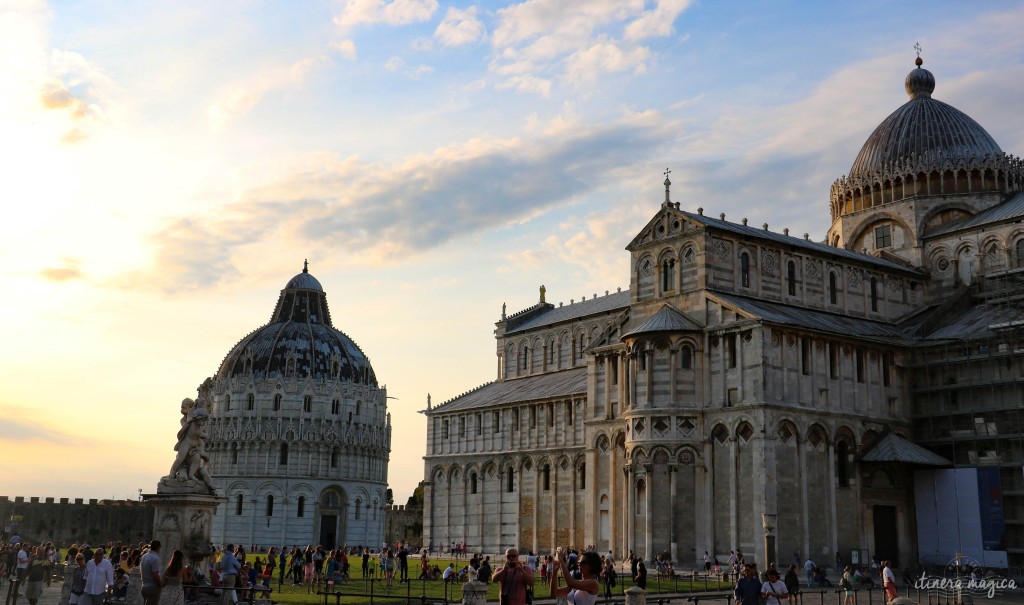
(167, 166)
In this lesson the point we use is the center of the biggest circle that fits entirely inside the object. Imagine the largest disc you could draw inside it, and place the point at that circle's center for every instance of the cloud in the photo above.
(346, 48)
(460, 27)
(587, 64)
(69, 271)
(26, 425)
(394, 13)
(578, 41)
(77, 90)
(526, 83)
(360, 212)
(657, 22)
(238, 97)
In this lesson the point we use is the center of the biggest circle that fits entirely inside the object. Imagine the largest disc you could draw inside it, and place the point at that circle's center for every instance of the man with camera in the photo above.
(514, 578)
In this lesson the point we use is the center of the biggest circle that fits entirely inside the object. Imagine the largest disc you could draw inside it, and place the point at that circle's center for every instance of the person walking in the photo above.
(149, 566)
(748, 588)
(38, 572)
(889, 580)
(172, 592)
(641, 574)
(99, 576)
(773, 591)
(229, 569)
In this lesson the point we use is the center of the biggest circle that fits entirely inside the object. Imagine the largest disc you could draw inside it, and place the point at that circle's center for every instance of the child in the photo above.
(120, 585)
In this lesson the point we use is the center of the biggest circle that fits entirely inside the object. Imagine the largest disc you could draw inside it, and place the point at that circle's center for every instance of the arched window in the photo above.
(509, 480)
(284, 454)
(668, 281)
(301, 511)
(525, 357)
(1020, 252)
(359, 507)
(685, 358)
(547, 477)
(359, 406)
(227, 402)
(745, 270)
(791, 277)
(277, 402)
(238, 504)
(270, 505)
(335, 406)
(250, 402)
(833, 289)
(234, 453)
(334, 457)
(307, 403)
(874, 294)
(582, 485)
(472, 483)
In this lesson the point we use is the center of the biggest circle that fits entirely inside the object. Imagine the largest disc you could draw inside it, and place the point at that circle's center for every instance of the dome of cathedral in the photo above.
(923, 126)
(300, 341)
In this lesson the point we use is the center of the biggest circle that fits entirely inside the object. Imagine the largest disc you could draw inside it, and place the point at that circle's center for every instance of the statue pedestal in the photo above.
(183, 522)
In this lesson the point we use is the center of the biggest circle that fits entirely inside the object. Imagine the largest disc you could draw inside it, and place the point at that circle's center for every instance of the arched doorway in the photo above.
(333, 516)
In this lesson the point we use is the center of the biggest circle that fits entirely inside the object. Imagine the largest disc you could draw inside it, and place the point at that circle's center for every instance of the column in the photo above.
(672, 380)
(620, 359)
(428, 513)
(553, 500)
(673, 470)
(834, 525)
(649, 387)
(609, 360)
(501, 492)
(801, 455)
(734, 518)
(631, 506)
(481, 490)
(536, 502)
(649, 513)
(613, 500)
(465, 507)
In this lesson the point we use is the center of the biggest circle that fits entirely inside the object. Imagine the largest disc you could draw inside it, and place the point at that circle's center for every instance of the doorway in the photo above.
(886, 534)
(328, 531)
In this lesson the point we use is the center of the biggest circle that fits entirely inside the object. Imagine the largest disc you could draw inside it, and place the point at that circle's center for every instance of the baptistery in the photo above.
(299, 435)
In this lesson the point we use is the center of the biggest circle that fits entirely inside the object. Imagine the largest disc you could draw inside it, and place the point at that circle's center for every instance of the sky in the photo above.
(168, 166)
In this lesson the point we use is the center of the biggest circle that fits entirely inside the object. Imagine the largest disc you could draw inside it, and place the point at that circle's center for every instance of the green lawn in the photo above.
(361, 590)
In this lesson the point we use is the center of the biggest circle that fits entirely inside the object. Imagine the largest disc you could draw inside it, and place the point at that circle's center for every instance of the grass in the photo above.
(364, 591)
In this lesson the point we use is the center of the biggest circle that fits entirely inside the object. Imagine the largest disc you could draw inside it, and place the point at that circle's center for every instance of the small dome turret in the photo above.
(920, 82)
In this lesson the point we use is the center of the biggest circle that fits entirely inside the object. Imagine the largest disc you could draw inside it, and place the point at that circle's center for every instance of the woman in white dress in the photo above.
(172, 592)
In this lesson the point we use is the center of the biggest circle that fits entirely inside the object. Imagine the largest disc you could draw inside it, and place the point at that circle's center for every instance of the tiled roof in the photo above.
(808, 318)
(788, 240)
(665, 320)
(1010, 209)
(893, 448)
(602, 304)
(530, 388)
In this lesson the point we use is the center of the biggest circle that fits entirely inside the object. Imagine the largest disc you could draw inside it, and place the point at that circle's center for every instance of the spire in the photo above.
(920, 82)
(667, 184)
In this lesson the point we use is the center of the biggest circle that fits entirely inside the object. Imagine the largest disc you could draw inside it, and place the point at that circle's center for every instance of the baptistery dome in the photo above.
(923, 126)
(300, 341)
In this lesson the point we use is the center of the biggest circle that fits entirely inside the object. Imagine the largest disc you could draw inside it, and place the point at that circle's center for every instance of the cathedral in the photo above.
(299, 432)
(762, 391)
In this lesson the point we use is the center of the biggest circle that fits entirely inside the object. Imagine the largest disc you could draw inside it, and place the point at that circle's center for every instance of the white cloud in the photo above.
(396, 12)
(587, 64)
(362, 212)
(578, 41)
(346, 48)
(394, 64)
(526, 83)
(460, 27)
(657, 22)
(237, 98)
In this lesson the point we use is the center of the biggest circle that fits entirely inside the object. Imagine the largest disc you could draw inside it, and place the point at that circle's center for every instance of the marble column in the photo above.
(649, 513)
(673, 471)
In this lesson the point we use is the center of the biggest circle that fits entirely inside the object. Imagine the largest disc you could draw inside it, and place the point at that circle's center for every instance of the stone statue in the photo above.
(189, 473)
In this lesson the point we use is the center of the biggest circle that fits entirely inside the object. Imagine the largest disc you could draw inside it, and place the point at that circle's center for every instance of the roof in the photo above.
(602, 304)
(667, 319)
(808, 318)
(893, 448)
(975, 322)
(788, 240)
(920, 126)
(563, 383)
(1010, 209)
